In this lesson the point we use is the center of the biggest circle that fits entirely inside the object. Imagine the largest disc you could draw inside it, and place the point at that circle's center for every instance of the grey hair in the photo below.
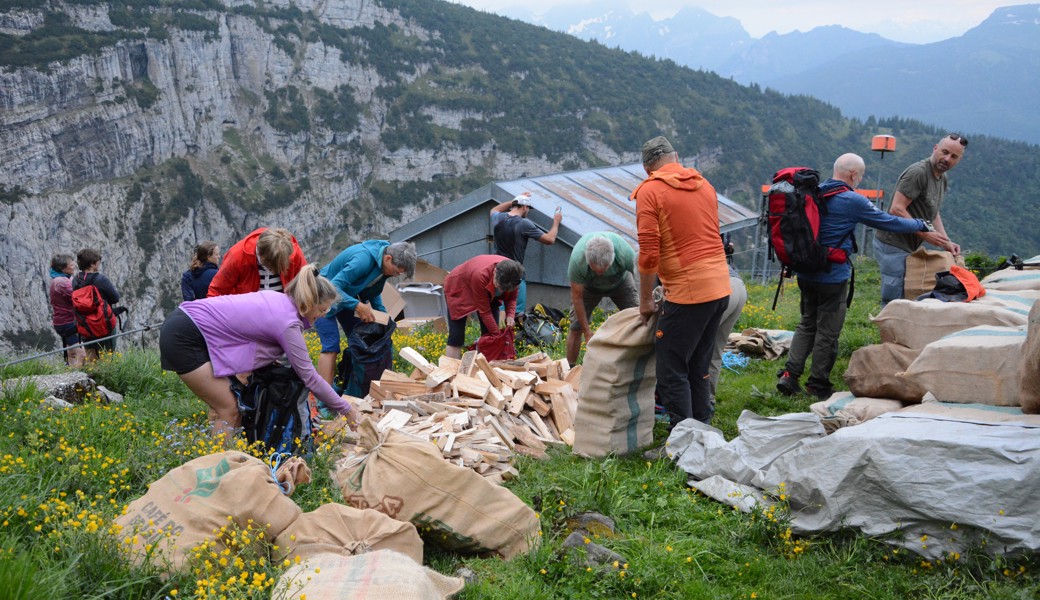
(402, 254)
(599, 252)
(60, 261)
(509, 273)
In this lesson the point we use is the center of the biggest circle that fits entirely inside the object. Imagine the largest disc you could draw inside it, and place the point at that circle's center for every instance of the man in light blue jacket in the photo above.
(359, 273)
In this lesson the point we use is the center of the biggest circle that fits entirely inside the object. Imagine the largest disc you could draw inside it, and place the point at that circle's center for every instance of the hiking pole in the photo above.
(80, 345)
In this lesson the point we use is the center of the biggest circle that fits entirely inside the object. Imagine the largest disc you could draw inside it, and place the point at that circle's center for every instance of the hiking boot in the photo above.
(822, 393)
(788, 385)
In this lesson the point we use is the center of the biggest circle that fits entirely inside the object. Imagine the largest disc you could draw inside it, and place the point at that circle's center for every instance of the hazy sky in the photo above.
(915, 21)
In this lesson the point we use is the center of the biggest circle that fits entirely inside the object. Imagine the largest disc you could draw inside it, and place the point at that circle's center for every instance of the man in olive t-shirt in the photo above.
(919, 195)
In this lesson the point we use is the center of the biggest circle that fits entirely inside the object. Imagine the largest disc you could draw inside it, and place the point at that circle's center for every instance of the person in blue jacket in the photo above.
(823, 294)
(204, 264)
(359, 273)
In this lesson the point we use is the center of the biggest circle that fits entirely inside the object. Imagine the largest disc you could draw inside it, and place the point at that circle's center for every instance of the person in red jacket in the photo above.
(267, 259)
(481, 285)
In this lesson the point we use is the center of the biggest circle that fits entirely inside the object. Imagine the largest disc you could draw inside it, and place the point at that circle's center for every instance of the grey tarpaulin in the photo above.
(907, 477)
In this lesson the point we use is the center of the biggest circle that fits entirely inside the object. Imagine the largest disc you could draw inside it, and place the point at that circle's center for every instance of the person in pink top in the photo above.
(481, 285)
(209, 340)
(64, 315)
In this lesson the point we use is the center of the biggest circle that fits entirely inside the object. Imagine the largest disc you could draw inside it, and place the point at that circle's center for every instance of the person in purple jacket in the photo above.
(209, 340)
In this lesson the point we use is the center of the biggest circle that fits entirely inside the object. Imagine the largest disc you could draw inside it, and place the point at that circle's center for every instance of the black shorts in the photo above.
(182, 349)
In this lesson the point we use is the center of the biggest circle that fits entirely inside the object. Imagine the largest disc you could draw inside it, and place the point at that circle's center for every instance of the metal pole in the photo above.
(80, 345)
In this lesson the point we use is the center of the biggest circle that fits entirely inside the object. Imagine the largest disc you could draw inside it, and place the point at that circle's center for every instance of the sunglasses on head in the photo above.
(959, 138)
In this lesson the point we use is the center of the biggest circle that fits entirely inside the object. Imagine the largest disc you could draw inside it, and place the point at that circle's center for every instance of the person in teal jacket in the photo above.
(359, 273)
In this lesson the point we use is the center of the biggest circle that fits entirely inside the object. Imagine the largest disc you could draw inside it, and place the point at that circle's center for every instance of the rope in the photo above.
(274, 463)
(80, 345)
(733, 360)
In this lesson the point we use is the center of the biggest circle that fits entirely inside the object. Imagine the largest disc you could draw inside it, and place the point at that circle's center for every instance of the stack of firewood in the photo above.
(479, 413)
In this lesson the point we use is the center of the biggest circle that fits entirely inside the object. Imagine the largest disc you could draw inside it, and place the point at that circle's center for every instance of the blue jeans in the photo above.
(892, 262)
(328, 329)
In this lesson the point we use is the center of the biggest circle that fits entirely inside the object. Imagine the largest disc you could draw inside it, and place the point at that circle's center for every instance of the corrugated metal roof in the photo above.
(591, 200)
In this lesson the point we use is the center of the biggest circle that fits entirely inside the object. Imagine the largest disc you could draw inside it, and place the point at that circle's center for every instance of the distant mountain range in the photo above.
(985, 81)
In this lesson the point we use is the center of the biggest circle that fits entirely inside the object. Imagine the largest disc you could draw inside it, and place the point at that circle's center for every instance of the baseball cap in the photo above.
(523, 199)
(655, 148)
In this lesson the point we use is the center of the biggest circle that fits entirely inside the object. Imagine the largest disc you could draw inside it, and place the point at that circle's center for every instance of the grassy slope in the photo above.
(67, 474)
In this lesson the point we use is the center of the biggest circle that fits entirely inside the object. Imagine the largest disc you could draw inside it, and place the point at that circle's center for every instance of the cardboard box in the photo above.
(437, 324)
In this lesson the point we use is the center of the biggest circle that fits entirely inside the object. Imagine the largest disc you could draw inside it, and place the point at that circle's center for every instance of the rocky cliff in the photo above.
(145, 146)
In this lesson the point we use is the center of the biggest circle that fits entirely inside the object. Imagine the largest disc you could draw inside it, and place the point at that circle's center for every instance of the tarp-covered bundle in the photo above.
(929, 482)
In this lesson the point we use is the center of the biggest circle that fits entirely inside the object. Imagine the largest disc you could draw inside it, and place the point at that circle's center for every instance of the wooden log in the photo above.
(532, 452)
(389, 375)
(466, 366)
(495, 398)
(519, 400)
(553, 386)
(449, 362)
(417, 360)
(506, 377)
(543, 429)
(561, 412)
(540, 406)
(395, 419)
(426, 398)
(503, 433)
(471, 386)
(573, 377)
(403, 388)
(526, 437)
(568, 437)
(438, 376)
(486, 369)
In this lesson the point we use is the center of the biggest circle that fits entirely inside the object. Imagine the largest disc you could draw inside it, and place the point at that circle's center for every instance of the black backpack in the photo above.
(540, 326)
(795, 205)
(370, 351)
(274, 410)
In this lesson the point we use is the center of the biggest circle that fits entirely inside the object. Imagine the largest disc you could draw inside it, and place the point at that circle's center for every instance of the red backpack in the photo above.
(795, 207)
(94, 316)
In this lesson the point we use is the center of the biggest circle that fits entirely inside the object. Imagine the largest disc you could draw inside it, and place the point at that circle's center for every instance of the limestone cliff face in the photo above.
(90, 142)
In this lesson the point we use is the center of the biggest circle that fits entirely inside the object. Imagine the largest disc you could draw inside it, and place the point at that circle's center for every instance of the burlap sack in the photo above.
(921, 267)
(917, 324)
(1017, 301)
(1011, 280)
(616, 395)
(875, 371)
(379, 575)
(850, 409)
(977, 365)
(407, 478)
(337, 529)
(190, 504)
(1029, 369)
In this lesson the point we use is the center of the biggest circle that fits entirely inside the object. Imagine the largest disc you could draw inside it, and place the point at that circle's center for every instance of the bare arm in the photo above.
(900, 205)
(950, 245)
(578, 301)
(502, 207)
(549, 238)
